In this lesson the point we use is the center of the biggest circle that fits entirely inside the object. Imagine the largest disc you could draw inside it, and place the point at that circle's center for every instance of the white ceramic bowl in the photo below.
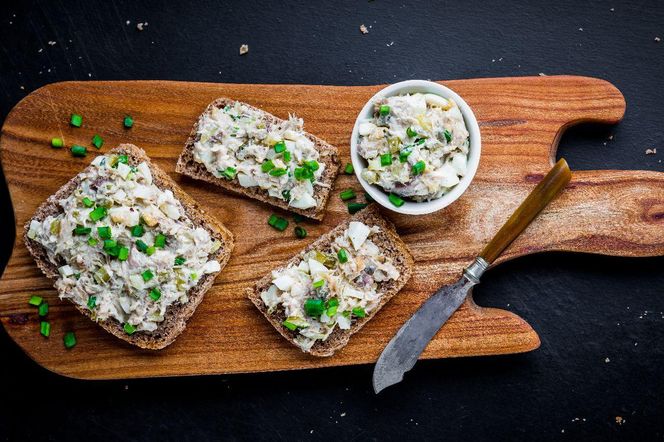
(411, 207)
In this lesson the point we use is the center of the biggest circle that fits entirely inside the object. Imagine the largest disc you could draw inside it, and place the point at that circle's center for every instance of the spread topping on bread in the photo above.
(238, 142)
(331, 287)
(124, 248)
(416, 146)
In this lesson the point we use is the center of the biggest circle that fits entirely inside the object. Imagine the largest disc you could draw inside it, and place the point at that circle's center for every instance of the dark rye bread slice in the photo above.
(391, 245)
(329, 155)
(177, 314)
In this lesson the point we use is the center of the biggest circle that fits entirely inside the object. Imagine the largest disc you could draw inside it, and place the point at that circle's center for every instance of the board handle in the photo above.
(545, 191)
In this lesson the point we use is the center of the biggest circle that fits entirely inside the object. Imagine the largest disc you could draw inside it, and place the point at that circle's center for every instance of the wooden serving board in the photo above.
(607, 212)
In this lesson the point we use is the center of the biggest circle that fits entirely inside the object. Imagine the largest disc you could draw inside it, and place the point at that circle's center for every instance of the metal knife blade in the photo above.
(402, 352)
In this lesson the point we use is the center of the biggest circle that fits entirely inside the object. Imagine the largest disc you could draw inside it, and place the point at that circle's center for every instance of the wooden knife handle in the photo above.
(542, 194)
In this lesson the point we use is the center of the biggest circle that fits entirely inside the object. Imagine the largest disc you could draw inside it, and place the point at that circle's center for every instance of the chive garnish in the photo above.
(359, 312)
(280, 147)
(87, 202)
(98, 213)
(287, 156)
(137, 230)
(80, 230)
(410, 132)
(312, 165)
(298, 218)
(229, 173)
(278, 222)
(92, 302)
(78, 151)
(97, 141)
(35, 300)
(448, 135)
(289, 325)
(300, 232)
(104, 232)
(128, 121)
(179, 260)
(128, 328)
(342, 255)
(403, 155)
(386, 159)
(348, 170)
(395, 200)
(319, 283)
(384, 110)
(45, 329)
(155, 294)
(303, 173)
(69, 340)
(314, 307)
(123, 253)
(356, 207)
(278, 172)
(43, 309)
(76, 120)
(57, 142)
(141, 246)
(272, 220)
(347, 194)
(267, 166)
(418, 168)
(92, 241)
(160, 241)
(150, 250)
(147, 275)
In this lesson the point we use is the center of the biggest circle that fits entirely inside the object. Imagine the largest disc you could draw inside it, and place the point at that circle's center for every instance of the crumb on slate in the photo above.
(657, 39)
(244, 49)
(542, 74)
(652, 151)
(363, 29)
(141, 26)
(620, 420)
(607, 360)
(51, 43)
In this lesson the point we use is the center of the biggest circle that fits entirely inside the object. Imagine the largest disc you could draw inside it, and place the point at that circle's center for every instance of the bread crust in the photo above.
(329, 155)
(391, 245)
(177, 314)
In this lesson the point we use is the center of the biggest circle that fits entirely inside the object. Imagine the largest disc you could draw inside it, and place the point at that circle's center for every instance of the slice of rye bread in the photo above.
(328, 155)
(391, 245)
(177, 314)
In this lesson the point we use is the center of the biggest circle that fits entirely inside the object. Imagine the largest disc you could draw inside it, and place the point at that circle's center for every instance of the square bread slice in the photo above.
(187, 165)
(389, 244)
(177, 313)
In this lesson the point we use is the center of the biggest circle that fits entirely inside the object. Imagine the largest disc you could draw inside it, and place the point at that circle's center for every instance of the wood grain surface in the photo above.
(607, 212)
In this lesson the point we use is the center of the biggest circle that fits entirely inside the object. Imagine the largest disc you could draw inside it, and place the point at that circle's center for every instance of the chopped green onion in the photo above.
(92, 241)
(384, 110)
(76, 120)
(267, 166)
(179, 260)
(97, 141)
(368, 197)
(80, 230)
(193, 276)
(303, 173)
(98, 213)
(141, 246)
(147, 275)
(150, 250)
(386, 159)
(314, 307)
(69, 340)
(318, 284)
(230, 173)
(124, 159)
(123, 253)
(87, 202)
(92, 302)
(420, 141)
(332, 306)
(111, 247)
(342, 255)
(104, 232)
(78, 151)
(300, 232)
(128, 328)
(155, 294)
(298, 218)
(359, 312)
(272, 220)
(287, 156)
(356, 207)
(45, 329)
(35, 300)
(410, 132)
(128, 121)
(278, 222)
(278, 172)
(418, 167)
(160, 241)
(347, 194)
(448, 135)
(280, 147)
(289, 325)
(312, 165)
(286, 195)
(43, 309)
(57, 142)
(403, 155)
(137, 230)
(348, 170)
(395, 200)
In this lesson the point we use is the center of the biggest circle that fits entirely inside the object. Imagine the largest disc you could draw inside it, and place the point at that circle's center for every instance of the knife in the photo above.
(410, 341)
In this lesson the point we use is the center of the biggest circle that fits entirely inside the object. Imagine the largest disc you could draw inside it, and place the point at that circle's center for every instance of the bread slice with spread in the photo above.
(324, 295)
(128, 247)
(246, 150)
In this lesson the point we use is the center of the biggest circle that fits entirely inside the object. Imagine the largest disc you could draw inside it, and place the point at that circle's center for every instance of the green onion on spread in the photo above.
(286, 195)
(332, 306)
(92, 302)
(160, 241)
(57, 142)
(410, 132)
(123, 253)
(386, 159)
(287, 156)
(395, 200)
(300, 232)
(303, 173)
(104, 232)
(418, 167)
(312, 165)
(319, 283)
(347, 194)
(267, 166)
(141, 246)
(359, 312)
(348, 170)
(137, 230)
(403, 154)
(314, 307)
(128, 328)
(289, 325)
(76, 120)
(124, 159)
(98, 213)
(128, 121)
(278, 172)
(179, 260)
(78, 151)
(97, 141)
(448, 135)
(111, 247)
(356, 207)
(150, 250)
(45, 329)
(280, 147)
(69, 340)
(80, 230)
(35, 300)
(87, 202)
(155, 294)
(342, 255)
(147, 275)
(92, 241)
(43, 309)
(384, 110)
(229, 173)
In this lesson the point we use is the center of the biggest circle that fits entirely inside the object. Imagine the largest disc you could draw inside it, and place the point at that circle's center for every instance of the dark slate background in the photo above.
(586, 308)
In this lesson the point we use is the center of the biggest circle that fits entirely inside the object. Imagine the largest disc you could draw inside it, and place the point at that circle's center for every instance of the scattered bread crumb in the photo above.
(612, 9)
(51, 43)
(542, 74)
(620, 420)
(652, 151)
(343, 414)
(607, 360)
(141, 26)
(128, 22)
(657, 39)
(244, 49)
(610, 137)
(363, 29)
